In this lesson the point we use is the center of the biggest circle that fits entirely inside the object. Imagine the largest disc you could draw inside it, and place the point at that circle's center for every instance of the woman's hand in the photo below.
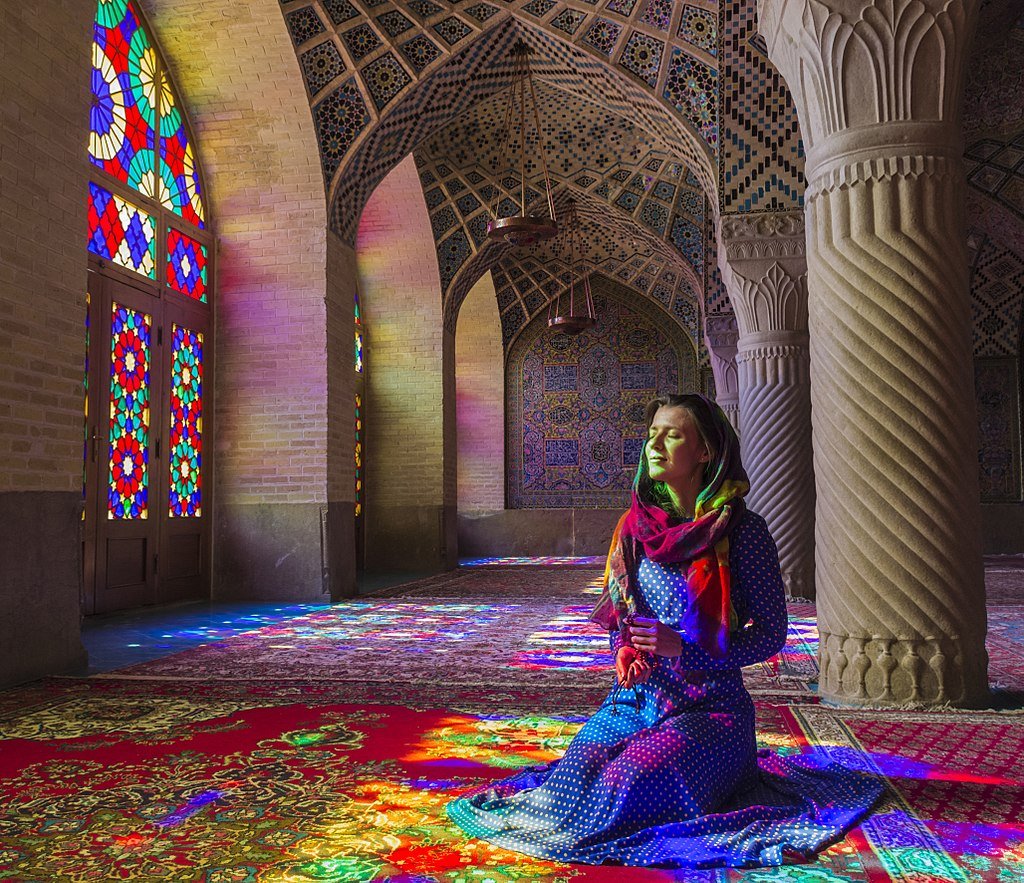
(631, 667)
(655, 637)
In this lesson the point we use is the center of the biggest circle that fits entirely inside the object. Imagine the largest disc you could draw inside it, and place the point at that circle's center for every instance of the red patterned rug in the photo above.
(133, 780)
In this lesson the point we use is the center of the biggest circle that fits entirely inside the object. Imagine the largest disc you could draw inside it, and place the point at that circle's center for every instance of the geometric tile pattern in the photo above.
(574, 424)
(761, 162)
(339, 118)
(997, 298)
(692, 88)
(385, 78)
(304, 24)
(997, 393)
(995, 168)
(320, 65)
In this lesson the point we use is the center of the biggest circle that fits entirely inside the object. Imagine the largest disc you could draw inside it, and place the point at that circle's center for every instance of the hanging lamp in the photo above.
(572, 323)
(523, 228)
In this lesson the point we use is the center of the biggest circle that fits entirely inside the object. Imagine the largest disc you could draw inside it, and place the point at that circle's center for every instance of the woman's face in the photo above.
(676, 454)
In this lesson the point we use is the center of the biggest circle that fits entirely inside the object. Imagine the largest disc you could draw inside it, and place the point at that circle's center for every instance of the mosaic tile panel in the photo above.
(761, 166)
(602, 35)
(424, 8)
(481, 11)
(339, 119)
(361, 41)
(304, 24)
(996, 169)
(467, 204)
(511, 321)
(569, 20)
(642, 57)
(997, 299)
(452, 254)
(443, 221)
(340, 11)
(688, 239)
(539, 8)
(655, 216)
(420, 51)
(320, 65)
(690, 88)
(394, 23)
(385, 78)
(997, 391)
(434, 198)
(699, 27)
(657, 14)
(452, 29)
(576, 405)
(664, 190)
(477, 227)
(621, 7)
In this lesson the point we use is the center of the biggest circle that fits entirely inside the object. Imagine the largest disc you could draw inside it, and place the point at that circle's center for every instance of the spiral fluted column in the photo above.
(901, 604)
(720, 337)
(762, 258)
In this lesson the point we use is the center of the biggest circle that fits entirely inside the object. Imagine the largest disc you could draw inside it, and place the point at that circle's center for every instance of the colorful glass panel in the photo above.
(359, 351)
(179, 177)
(359, 315)
(359, 455)
(186, 265)
(120, 232)
(186, 423)
(123, 114)
(129, 414)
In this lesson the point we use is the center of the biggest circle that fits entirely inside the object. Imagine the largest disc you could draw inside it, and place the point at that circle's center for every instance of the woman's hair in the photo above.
(708, 418)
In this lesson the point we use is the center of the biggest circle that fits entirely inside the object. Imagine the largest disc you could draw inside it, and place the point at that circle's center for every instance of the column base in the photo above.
(921, 672)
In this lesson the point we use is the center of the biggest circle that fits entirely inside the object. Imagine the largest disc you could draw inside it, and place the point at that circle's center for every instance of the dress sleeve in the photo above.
(758, 595)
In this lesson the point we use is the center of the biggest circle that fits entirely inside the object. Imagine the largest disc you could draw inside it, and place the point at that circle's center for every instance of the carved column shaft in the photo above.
(901, 605)
(721, 337)
(763, 265)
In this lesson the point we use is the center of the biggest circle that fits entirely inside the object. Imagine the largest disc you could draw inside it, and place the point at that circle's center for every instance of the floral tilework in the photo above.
(602, 35)
(627, 200)
(452, 29)
(443, 221)
(304, 24)
(467, 204)
(420, 51)
(481, 11)
(512, 320)
(424, 8)
(664, 190)
(394, 23)
(452, 254)
(655, 216)
(320, 65)
(699, 27)
(539, 8)
(686, 236)
(340, 11)
(642, 56)
(657, 14)
(568, 20)
(478, 228)
(385, 78)
(339, 118)
(434, 198)
(361, 41)
(692, 88)
(622, 7)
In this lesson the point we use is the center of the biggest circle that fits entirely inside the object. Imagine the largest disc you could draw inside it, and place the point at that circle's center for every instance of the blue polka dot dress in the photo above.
(668, 774)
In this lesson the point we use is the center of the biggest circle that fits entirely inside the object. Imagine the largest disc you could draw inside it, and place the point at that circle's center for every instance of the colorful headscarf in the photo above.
(702, 544)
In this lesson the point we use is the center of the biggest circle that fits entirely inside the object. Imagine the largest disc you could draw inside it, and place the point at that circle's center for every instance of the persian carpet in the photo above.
(143, 780)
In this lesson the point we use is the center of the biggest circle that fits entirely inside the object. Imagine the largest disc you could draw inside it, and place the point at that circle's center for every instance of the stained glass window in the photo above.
(359, 351)
(124, 96)
(179, 186)
(186, 265)
(186, 423)
(359, 455)
(121, 232)
(129, 414)
(359, 315)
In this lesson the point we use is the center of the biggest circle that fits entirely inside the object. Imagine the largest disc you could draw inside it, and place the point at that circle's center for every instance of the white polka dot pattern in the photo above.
(668, 774)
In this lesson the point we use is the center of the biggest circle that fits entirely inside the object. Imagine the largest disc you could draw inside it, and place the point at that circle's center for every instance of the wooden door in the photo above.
(123, 446)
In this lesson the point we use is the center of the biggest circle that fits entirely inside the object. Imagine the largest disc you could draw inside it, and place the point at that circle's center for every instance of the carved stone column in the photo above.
(720, 337)
(901, 601)
(762, 258)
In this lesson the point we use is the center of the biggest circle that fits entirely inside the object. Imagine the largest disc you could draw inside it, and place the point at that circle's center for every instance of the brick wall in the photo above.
(44, 81)
(255, 142)
(44, 119)
(409, 472)
(480, 401)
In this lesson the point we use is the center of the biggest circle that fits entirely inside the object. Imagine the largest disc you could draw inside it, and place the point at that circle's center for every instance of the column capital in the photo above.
(762, 235)
(721, 337)
(872, 77)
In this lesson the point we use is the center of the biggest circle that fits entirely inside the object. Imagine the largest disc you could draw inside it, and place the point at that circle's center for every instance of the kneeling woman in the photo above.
(667, 772)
